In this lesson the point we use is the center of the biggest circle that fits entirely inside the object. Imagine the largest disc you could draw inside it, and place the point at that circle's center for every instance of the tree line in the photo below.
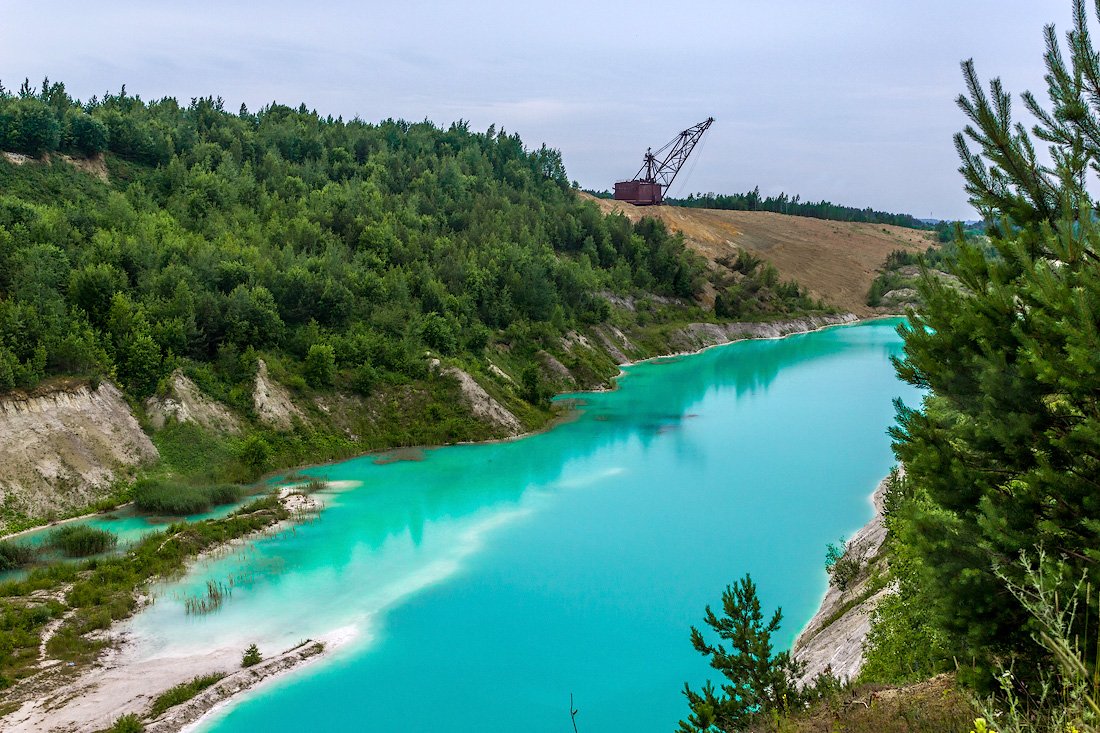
(796, 206)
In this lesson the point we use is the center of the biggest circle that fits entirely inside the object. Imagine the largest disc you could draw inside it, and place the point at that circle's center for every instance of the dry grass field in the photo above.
(836, 261)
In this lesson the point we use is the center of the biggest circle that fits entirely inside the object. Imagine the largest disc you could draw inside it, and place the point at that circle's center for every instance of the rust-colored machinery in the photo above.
(649, 184)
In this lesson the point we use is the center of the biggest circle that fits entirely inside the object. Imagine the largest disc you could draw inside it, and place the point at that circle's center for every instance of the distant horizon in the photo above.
(851, 102)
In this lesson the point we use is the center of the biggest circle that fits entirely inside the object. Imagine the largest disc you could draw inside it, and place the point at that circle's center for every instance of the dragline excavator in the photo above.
(649, 184)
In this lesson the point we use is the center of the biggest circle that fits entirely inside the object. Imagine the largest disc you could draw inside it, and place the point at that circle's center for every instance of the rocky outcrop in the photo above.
(834, 637)
(498, 372)
(185, 402)
(62, 450)
(272, 401)
(696, 336)
(614, 342)
(558, 370)
(482, 403)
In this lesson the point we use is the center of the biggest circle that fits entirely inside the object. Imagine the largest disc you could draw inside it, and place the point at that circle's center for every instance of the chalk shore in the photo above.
(833, 638)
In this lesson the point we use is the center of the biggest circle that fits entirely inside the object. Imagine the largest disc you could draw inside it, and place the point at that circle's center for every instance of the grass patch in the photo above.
(183, 692)
(178, 499)
(188, 450)
(78, 540)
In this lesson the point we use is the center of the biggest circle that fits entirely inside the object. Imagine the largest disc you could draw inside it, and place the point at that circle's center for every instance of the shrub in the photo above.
(79, 540)
(183, 692)
(251, 657)
(127, 724)
(255, 453)
(320, 367)
(844, 563)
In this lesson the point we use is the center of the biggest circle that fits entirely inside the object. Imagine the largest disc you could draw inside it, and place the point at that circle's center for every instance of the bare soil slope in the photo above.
(62, 449)
(835, 261)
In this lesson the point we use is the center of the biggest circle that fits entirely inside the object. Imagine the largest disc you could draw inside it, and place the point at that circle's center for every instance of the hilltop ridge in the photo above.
(835, 261)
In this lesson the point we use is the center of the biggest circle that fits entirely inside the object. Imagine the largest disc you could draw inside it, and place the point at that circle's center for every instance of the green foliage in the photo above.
(844, 563)
(29, 126)
(904, 644)
(1068, 698)
(84, 134)
(14, 555)
(221, 234)
(255, 453)
(320, 366)
(128, 723)
(161, 496)
(1003, 454)
(80, 540)
(759, 682)
(183, 692)
(754, 290)
(251, 656)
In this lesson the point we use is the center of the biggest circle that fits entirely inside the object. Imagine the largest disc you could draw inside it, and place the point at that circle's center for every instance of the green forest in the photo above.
(349, 247)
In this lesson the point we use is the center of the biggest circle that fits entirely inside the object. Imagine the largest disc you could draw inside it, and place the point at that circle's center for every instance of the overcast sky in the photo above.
(849, 100)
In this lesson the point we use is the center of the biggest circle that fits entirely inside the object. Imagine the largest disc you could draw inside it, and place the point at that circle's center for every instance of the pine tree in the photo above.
(758, 681)
(1004, 454)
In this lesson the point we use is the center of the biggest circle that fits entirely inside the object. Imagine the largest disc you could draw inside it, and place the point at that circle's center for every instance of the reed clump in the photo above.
(180, 499)
(216, 593)
(79, 540)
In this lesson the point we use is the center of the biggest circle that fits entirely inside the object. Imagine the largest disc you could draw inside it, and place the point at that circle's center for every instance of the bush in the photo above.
(320, 369)
(14, 556)
(255, 453)
(364, 379)
(28, 126)
(127, 724)
(85, 134)
(166, 497)
(79, 540)
(844, 563)
(181, 693)
(251, 657)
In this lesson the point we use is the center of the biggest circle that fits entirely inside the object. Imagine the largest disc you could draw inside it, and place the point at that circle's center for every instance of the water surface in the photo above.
(483, 584)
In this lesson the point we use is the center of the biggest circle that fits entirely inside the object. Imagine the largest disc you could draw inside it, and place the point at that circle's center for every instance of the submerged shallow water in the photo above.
(480, 586)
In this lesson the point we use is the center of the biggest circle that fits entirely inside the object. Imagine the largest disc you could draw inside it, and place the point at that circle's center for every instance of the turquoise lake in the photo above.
(475, 589)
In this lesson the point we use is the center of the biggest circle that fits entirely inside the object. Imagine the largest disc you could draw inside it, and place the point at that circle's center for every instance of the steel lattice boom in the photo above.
(655, 176)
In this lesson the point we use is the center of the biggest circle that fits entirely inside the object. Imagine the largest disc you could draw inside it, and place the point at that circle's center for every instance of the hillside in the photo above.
(834, 261)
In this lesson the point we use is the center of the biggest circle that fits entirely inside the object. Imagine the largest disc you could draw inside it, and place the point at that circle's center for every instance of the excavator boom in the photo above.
(649, 184)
